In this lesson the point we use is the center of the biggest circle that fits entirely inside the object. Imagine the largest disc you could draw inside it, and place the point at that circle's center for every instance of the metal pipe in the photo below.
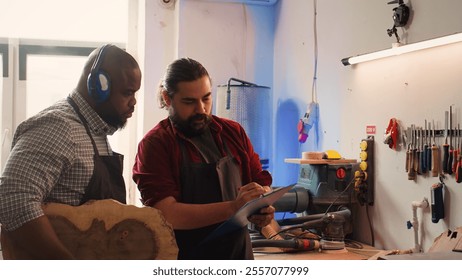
(228, 90)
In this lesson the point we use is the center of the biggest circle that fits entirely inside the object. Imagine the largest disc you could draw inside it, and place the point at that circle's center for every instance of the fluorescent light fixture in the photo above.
(404, 49)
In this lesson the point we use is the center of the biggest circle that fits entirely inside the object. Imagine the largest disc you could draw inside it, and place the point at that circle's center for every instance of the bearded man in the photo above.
(199, 169)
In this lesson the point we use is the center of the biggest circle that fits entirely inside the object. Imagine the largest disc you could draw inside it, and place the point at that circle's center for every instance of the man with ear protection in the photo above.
(199, 169)
(62, 154)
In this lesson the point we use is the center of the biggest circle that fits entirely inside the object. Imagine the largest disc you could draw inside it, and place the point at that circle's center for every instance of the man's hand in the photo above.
(247, 193)
(38, 240)
(266, 214)
(264, 217)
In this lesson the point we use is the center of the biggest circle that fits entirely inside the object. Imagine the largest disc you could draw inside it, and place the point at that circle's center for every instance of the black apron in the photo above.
(210, 182)
(107, 181)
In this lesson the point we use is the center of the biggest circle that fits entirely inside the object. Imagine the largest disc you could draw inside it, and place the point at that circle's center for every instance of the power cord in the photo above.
(338, 196)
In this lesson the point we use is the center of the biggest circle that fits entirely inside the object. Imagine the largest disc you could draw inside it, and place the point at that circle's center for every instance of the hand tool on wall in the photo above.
(423, 158)
(459, 159)
(418, 155)
(451, 147)
(428, 146)
(409, 148)
(411, 171)
(435, 154)
(455, 151)
(437, 201)
(445, 145)
(392, 134)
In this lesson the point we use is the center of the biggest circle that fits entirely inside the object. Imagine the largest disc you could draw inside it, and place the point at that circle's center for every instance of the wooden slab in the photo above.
(107, 229)
(447, 241)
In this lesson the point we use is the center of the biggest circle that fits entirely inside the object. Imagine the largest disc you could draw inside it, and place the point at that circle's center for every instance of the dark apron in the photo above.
(210, 182)
(106, 181)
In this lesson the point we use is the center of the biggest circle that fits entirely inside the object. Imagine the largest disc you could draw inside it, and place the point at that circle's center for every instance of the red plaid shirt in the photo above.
(158, 161)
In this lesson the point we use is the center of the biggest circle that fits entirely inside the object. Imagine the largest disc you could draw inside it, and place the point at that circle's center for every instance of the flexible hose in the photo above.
(299, 244)
(343, 211)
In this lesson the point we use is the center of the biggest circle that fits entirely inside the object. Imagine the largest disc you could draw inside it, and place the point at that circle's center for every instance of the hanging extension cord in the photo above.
(311, 116)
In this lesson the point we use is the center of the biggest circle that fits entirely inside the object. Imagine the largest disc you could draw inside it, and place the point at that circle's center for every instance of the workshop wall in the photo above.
(231, 40)
(273, 46)
(411, 88)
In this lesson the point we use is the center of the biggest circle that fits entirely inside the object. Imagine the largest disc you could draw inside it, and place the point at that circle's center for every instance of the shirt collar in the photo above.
(96, 124)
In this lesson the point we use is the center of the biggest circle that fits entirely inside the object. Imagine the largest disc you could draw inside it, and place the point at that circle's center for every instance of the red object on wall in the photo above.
(391, 134)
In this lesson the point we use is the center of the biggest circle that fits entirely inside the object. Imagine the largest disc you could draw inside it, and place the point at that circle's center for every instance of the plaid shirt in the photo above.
(157, 169)
(51, 161)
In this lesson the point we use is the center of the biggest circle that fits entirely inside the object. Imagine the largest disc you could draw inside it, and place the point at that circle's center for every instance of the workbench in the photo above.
(347, 253)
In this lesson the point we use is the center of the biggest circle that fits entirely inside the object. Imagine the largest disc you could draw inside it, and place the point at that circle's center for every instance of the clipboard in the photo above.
(239, 220)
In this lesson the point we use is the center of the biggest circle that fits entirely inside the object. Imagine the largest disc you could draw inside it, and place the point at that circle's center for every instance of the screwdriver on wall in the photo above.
(428, 147)
(411, 172)
(409, 148)
(423, 159)
(456, 151)
(451, 147)
(445, 145)
(435, 154)
(418, 156)
(459, 158)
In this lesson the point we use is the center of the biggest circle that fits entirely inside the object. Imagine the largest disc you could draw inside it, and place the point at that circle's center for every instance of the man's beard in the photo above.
(115, 121)
(111, 117)
(188, 128)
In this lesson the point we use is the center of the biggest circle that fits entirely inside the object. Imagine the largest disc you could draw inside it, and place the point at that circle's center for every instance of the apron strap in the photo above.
(84, 122)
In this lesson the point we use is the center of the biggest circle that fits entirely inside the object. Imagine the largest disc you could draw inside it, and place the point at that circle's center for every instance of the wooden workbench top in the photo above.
(344, 254)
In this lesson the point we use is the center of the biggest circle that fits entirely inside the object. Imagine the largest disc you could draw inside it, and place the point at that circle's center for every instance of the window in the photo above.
(49, 79)
(82, 20)
(48, 43)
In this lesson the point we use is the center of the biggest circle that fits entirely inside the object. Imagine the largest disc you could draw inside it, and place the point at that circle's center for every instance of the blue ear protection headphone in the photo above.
(98, 81)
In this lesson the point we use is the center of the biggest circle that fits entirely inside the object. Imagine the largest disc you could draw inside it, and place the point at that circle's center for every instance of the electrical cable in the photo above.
(314, 97)
(313, 223)
(370, 226)
(310, 118)
(338, 196)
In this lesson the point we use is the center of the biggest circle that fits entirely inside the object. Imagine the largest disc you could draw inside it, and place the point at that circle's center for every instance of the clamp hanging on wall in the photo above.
(392, 134)
(437, 201)
(400, 18)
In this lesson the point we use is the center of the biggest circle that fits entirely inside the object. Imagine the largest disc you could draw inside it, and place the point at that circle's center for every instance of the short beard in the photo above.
(187, 126)
(109, 115)
(115, 121)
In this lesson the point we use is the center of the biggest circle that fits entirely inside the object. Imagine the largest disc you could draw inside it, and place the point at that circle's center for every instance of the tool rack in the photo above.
(423, 153)
(438, 132)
